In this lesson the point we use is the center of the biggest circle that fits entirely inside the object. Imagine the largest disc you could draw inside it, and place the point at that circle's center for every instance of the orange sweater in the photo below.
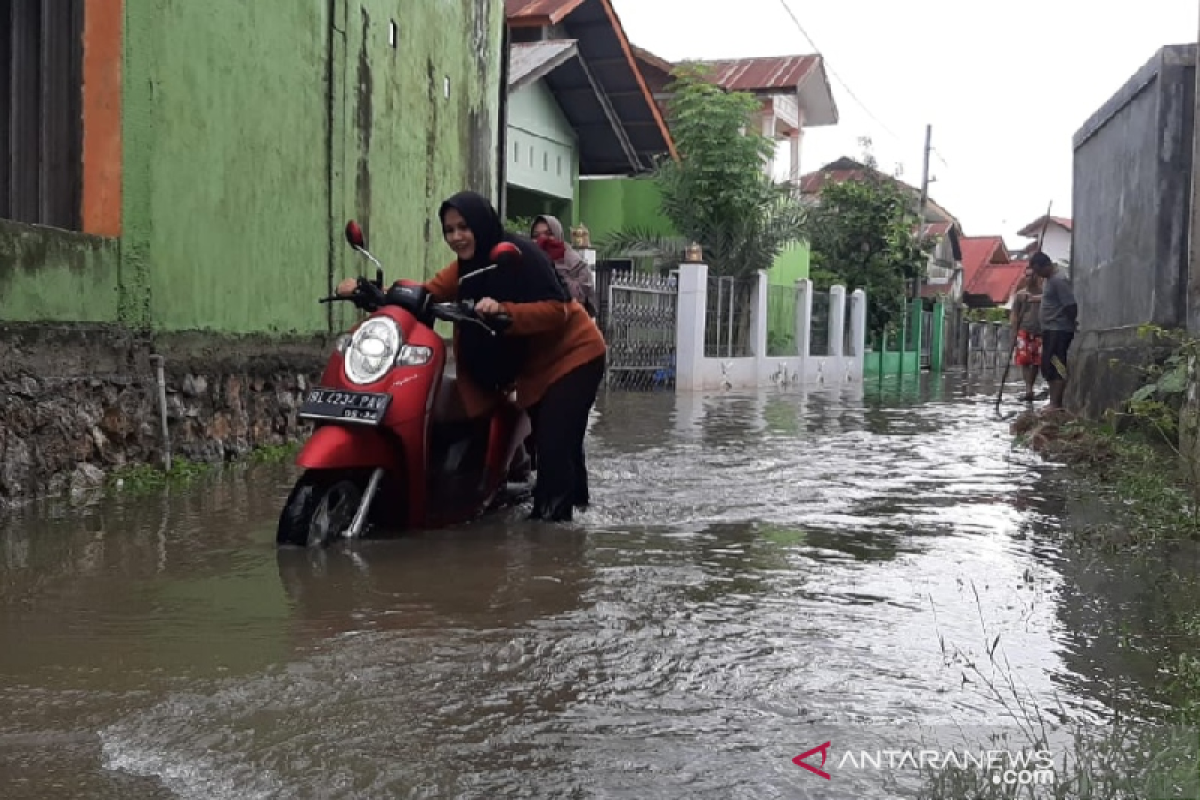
(562, 335)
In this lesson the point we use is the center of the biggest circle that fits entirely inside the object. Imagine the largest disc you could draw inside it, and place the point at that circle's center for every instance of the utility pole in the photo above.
(925, 181)
(924, 201)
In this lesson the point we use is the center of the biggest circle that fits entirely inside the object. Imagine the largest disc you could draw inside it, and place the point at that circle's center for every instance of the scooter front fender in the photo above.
(349, 447)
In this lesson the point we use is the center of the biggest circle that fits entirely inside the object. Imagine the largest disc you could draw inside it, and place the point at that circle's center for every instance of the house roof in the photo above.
(601, 90)
(1034, 228)
(988, 272)
(532, 61)
(763, 74)
(978, 251)
(996, 282)
(538, 13)
(802, 75)
(938, 230)
(847, 169)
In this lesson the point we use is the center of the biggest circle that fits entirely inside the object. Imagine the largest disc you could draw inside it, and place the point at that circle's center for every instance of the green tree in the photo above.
(718, 194)
(862, 237)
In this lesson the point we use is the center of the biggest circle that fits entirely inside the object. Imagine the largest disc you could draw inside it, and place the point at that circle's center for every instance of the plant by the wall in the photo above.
(718, 193)
(862, 237)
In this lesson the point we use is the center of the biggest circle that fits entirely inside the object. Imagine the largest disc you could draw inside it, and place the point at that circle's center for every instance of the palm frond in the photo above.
(640, 243)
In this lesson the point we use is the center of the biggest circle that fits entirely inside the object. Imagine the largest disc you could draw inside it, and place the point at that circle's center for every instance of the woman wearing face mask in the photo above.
(547, 231)
(552, 354)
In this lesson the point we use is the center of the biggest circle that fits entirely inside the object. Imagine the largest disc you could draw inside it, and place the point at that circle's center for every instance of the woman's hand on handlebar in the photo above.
(346, 287)
(488, 307)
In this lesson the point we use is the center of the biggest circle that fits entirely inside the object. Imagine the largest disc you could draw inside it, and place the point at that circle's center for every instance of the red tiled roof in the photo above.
(978, 251)
(997, 282)
(763, 74)
(539, 12)
(987, 269)
(1034, 228)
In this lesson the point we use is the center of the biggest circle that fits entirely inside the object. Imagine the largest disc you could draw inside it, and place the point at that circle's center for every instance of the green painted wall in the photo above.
(250, 135)
(790, 266)
(231, 203)
(49, 275)
(610, 205)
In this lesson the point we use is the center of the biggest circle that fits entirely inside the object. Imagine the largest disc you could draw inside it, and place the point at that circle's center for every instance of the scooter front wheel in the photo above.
(320, 507)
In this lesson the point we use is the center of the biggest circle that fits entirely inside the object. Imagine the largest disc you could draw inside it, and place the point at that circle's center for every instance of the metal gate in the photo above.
(637, 316)
(926, 339)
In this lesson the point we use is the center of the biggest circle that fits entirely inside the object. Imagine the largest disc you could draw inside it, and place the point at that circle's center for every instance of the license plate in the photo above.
(360, 408)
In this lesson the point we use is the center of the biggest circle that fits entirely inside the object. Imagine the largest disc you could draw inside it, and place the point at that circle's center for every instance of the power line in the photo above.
(838, 78)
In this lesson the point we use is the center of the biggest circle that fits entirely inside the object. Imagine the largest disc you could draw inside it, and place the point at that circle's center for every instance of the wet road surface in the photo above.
(757, 571)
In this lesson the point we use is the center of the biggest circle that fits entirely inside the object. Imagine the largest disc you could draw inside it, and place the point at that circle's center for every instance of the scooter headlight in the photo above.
(373, 350)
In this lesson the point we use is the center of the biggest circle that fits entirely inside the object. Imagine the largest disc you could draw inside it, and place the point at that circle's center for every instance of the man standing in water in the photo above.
(1059, 313)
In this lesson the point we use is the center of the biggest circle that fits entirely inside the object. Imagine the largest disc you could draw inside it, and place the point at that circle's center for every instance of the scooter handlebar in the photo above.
(465, 313)
(369, 297)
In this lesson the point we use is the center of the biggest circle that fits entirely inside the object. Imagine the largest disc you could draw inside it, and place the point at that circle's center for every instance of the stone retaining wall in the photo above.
(78, 400)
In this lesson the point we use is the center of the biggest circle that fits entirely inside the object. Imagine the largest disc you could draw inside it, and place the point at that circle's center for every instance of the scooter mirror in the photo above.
(354, 236)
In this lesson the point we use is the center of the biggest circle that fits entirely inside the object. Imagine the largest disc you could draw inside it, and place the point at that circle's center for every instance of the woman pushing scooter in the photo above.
(552, 354)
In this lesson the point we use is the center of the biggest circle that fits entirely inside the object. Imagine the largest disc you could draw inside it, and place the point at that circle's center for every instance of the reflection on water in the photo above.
(755, 567)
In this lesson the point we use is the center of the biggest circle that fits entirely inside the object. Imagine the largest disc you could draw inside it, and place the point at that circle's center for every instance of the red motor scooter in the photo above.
(392, 448)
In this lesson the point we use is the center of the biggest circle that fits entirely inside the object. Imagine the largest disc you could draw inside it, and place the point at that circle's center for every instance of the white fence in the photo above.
(842, 363)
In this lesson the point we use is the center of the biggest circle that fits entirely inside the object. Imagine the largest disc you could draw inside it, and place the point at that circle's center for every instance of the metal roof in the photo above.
(538, 12)
(600, 90)
(766, 74)
(529, 61)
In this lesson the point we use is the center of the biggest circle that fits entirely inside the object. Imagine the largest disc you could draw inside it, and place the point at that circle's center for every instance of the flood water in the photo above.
(757, 571)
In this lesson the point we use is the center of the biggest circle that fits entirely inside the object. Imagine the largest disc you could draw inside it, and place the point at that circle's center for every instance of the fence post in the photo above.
(938, 346)
(690, 310)
(837, 320)
(758, 317)
(858, 324)
(804, 304)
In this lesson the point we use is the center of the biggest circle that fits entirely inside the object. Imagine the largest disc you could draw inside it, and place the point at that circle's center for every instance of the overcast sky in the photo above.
(1005, 85)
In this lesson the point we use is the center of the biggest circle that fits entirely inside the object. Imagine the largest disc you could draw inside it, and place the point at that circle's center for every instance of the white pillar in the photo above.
(690, 310)
(768, 130)
(858, 324)
(758, 317)
(804, 302)
(837, 320)
(794, 141)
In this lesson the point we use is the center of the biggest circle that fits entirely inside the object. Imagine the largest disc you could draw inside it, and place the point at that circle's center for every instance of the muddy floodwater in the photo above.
(757, 572)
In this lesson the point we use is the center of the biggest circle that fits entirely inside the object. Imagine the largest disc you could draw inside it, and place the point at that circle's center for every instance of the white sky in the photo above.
(1005, 85)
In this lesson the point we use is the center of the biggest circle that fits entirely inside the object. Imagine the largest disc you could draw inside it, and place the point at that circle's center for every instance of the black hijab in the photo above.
(495, 361)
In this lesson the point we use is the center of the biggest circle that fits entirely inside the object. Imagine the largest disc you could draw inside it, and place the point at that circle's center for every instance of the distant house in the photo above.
(943, 276)
(990, 276)
(846, 169)
(944, 271)
(1057, 243)
(578, 106)
(794, 91)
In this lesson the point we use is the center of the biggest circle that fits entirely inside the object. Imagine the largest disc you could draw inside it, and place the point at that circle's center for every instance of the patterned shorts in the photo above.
(1029, 349)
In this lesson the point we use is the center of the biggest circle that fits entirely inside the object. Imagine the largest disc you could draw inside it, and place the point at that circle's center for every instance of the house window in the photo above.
(531, 155)
(516, 152)
(41, 116)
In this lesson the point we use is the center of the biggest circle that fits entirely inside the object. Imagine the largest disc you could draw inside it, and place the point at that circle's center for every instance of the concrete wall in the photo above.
(1133, 164)
(50, 274)
(696, 372)
(249, 133)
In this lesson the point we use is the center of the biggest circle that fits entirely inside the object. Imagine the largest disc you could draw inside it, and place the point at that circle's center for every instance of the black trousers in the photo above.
(559, 426)
(1055, 344)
